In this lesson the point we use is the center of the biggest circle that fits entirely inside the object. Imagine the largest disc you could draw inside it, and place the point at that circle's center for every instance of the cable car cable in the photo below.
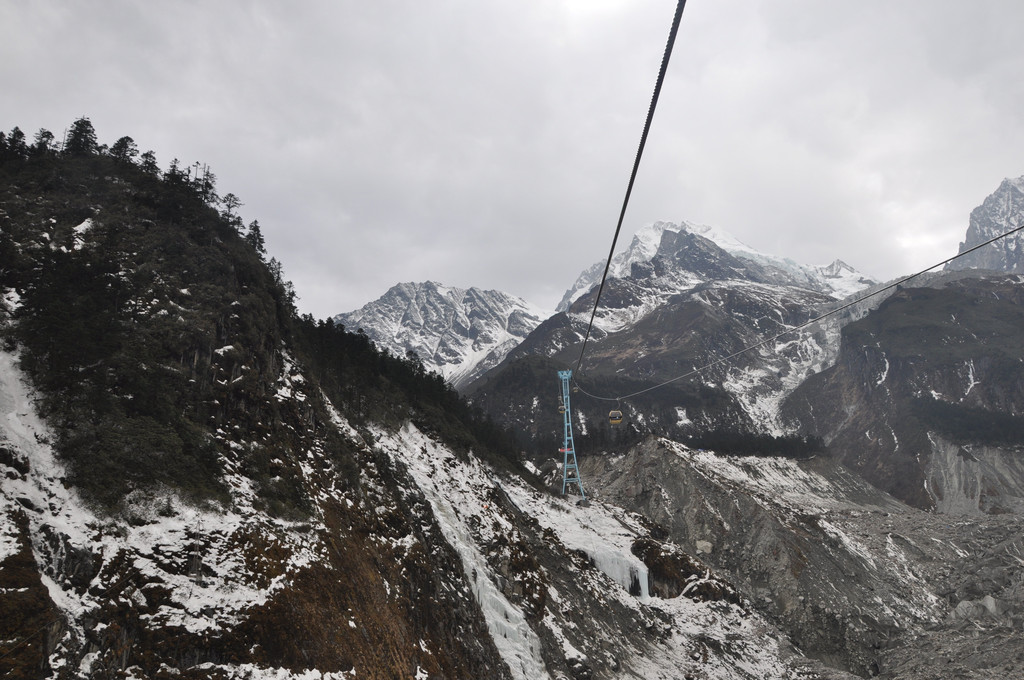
(636, 166)
(805, 324)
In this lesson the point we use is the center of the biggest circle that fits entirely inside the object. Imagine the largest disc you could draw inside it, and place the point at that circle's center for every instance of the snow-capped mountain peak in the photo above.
(841, 279)
(642, 248)
(837, 280)
(458, 333)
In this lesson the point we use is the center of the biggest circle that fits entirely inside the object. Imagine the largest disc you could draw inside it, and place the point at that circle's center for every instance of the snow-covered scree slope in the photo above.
(856, 578)
(566, 593)
(458, 333)
(357, 589)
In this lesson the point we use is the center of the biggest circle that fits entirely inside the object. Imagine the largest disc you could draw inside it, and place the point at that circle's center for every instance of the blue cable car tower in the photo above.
(570, 471)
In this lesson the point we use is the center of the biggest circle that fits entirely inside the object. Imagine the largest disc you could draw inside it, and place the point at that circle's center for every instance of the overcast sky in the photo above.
(488, 142)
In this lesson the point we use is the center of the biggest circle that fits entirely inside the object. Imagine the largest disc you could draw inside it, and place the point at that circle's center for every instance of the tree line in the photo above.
(80, 141)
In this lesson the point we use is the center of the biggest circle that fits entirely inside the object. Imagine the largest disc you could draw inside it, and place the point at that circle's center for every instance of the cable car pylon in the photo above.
(570, 471)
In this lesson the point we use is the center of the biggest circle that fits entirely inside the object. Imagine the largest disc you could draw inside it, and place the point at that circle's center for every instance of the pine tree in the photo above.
(16, 146)
(231, 203)
(43, 141)
(208, 187)
(254, 238)
(81, 138)
(148, 164)
(124, 150)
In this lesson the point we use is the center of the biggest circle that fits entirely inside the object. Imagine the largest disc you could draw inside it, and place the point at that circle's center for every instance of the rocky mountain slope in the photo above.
(855, 578)
(926, 397)
(457, 333)
(172, 588)
(432, 566)
(1002, 211)
(680, 309)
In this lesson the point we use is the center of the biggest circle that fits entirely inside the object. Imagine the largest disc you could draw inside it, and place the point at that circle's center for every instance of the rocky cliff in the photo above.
(1002, 211)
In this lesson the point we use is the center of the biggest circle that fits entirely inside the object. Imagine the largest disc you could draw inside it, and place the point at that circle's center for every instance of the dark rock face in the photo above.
(925, 398)
(25, 607)
(674, 572)
(683, 251)
(998, 214)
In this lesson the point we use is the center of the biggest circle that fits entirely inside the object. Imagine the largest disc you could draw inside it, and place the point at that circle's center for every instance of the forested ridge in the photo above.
(154, 326)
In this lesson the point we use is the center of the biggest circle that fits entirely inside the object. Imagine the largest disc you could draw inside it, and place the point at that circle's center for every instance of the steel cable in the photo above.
(636, 167)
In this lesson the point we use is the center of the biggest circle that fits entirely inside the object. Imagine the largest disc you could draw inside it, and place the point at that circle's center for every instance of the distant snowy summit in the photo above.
(463, 333)
(837, 279)
(458, 333)
(998, 214)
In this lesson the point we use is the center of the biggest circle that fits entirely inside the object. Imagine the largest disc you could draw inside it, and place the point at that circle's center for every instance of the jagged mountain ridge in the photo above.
(463, 333)
(837, 279)
(1000, 212)
(685, 260)
(458, 333)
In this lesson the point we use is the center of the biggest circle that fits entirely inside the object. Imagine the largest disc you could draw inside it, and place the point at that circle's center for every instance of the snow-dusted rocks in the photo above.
(359, 587)
(564, 591)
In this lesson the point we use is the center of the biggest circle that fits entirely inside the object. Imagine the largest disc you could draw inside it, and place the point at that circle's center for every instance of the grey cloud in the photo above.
(489, 144)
